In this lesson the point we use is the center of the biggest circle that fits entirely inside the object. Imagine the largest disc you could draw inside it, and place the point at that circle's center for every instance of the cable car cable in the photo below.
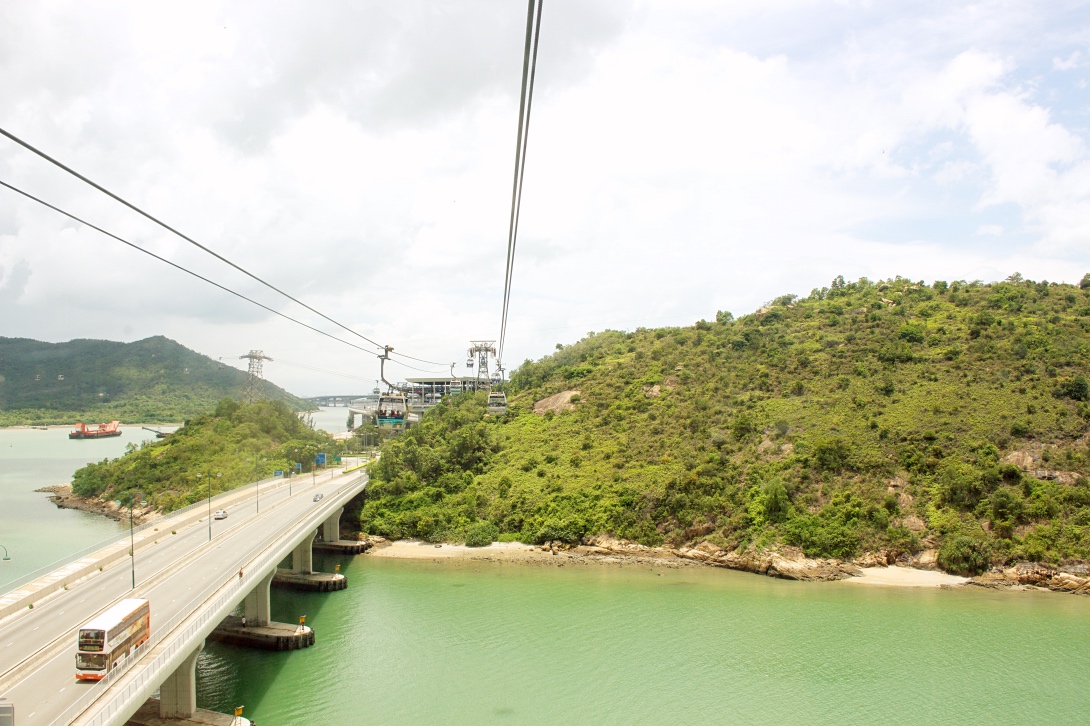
(529, 68)
(177, 266)
(188, 239)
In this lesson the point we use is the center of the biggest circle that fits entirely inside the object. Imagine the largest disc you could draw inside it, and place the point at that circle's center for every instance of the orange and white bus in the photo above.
(110, 637)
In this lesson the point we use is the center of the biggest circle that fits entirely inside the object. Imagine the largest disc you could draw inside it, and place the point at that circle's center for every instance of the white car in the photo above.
(317, 497)
(220, 514)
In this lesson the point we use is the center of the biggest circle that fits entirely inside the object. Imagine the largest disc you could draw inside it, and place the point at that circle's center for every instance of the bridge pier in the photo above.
(260, 631)
(257, 607)
(148, 715)
(331, 541)
(178, 694)
(331, 528)
(302, 557)
(302, 576)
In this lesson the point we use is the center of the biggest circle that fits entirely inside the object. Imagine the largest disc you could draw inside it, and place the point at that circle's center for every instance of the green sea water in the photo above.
(32, 529)
(420, 642)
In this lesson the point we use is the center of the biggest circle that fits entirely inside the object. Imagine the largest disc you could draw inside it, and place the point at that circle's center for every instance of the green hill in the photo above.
(240, 442)
(867, 416)
(151, 380)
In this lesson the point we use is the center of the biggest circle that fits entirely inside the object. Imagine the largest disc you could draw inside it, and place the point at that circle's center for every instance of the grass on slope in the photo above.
(866, 416)
(240, 441)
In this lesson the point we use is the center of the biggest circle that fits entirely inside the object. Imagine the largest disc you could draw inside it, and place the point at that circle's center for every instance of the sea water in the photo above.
(462, 642)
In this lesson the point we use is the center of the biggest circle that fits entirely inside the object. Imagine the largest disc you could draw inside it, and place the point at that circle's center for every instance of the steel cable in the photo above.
(529, 68)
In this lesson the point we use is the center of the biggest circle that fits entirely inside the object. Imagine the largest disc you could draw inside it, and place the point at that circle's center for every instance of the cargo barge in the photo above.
(96, 432)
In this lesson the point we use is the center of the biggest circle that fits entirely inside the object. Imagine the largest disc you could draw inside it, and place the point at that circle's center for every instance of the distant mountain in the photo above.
(155, 379)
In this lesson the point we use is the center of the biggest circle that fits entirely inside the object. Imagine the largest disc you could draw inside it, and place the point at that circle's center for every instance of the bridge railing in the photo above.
(276, 482)
(153, 672)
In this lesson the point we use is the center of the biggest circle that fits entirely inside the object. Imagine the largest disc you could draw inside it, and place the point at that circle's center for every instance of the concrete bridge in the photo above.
(195, 573)
(341, 399)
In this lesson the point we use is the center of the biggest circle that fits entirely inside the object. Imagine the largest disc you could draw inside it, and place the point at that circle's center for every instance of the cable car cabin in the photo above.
(392, 411)
(497, 402)
(111, 637)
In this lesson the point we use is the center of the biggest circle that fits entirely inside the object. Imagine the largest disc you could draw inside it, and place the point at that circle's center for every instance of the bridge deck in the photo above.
(185, 577)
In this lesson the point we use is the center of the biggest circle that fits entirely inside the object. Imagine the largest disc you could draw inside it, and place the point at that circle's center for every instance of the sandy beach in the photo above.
(905, 577)
(519, 552)
(408, 549)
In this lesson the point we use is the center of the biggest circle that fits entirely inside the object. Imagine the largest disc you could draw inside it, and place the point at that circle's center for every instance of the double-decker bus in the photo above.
(110, 637)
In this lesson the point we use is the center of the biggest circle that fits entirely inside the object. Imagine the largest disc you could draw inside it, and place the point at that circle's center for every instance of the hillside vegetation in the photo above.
(150, 380)
(235, 444)
(868, 416)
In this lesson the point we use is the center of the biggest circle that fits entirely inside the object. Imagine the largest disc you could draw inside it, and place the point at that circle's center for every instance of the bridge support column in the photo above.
(257, 605)
(302, 557)
(178, 694)
(331, 528)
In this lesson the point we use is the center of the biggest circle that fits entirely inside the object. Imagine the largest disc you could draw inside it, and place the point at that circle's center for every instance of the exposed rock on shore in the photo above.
(787, 563)
(1074, 578)
(62, 496)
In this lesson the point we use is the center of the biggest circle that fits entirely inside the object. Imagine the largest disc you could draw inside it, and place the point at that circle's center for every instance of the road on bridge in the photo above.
(38, 647)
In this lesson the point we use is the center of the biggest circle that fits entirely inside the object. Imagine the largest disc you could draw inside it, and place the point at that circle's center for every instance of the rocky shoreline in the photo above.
(61, 495)
(785, 563)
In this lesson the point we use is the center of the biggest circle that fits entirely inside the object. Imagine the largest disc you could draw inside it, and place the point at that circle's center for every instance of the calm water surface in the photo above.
(414, 642)
(32, 529)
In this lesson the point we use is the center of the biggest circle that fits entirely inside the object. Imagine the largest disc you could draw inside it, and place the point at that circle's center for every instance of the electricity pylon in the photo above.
(254, 390)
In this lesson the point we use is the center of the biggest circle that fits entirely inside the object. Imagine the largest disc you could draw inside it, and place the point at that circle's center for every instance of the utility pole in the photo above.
(253, 389)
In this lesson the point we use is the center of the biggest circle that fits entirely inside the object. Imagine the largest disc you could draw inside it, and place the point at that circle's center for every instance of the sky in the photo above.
(684, 157)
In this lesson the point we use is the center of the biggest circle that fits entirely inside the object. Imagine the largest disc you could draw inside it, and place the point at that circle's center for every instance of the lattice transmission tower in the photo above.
(479, 353)
(254, 390)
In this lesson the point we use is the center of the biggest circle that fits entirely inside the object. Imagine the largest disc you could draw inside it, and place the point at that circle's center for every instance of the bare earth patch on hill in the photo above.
(556, 403)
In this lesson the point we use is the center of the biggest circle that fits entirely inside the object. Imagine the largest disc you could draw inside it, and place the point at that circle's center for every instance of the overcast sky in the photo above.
(684, 157)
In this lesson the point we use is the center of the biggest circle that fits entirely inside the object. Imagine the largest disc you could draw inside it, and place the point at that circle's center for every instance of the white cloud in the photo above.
(1071, 62)
(683, 158)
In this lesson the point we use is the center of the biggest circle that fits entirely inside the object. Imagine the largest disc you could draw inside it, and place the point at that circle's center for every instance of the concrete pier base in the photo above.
(178, 693)
(148, 715)
(342, 546)
(271, 636)
(310, 581)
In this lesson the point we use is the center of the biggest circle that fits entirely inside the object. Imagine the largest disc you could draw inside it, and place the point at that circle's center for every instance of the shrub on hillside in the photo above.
(963, 555)
(554, 532)
(1075, 388)
(481, 534)
(821, 537)
(776, 502)
(90, 481)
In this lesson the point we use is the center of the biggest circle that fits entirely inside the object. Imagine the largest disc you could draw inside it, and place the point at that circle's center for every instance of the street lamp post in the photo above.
(291, 473)
(208, 476)
(7, 557)
(132, 542)
(257, 489)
